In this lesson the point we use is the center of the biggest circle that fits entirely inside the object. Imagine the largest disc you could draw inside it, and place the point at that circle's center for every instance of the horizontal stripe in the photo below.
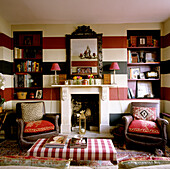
(114, 42)
(122, 66)
(166, 107)
(165, 67)
(7, 94)
(84, 63)
(54, 43)
(5, 41)
(47, 68)
(114, 54)
(165, 41)
(6, 54)
(118, 93)
(54, 55)
(9, 81)
(165, 53)
(165, 93)
(165, 80)
(6, 67)
(51, 93)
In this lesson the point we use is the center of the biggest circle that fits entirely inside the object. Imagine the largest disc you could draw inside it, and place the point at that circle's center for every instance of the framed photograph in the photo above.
(141, 75)
(28, 40)
(38, 94)
(144, 89)
(141, 41)
(134, 73)
(84, 70)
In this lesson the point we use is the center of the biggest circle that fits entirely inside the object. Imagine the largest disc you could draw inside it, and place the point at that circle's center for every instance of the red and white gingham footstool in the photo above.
(97, 149)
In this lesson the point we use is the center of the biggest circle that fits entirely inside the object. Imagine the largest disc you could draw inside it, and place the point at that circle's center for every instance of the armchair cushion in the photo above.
(144, 113)
(143, 126)
(32, 111)
(38, 126)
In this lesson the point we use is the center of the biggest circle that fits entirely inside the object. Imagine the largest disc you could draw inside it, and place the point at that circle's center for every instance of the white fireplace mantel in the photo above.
(66, 112)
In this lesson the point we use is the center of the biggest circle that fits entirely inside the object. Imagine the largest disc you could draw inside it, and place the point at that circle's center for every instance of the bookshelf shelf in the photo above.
(143, 62)
(28, 74)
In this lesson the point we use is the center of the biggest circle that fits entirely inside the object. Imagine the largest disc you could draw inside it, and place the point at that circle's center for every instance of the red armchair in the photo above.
(144, 127)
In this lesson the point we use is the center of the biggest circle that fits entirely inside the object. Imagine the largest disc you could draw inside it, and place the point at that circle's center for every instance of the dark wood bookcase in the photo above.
(27, 52)
(143, 64)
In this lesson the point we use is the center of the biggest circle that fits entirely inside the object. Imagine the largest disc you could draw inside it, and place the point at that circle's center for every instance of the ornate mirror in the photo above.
(84, 52)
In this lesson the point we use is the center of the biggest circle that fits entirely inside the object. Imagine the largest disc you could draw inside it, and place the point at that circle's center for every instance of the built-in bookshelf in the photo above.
(143, 64)
(28, 63)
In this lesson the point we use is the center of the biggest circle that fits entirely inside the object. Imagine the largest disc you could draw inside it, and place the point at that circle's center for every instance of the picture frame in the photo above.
(141, 41)
(38, 94)
(141, 75)
(134, 73)
(84, 70)
(144, 89)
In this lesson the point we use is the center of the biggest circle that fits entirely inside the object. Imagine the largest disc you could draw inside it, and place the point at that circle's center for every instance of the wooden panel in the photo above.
(107, 78)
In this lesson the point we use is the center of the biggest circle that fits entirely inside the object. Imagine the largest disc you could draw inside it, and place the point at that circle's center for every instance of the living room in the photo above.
(56, 23)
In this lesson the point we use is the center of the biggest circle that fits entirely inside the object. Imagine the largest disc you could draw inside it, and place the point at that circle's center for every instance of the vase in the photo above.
(91, 81)
(78, 82)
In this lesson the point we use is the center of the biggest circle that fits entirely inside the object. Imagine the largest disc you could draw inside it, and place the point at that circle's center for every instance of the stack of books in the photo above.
(78, 142)
(56, 141)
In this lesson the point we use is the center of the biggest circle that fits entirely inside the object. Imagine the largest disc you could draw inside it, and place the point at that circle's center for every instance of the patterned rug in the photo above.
(10, 147)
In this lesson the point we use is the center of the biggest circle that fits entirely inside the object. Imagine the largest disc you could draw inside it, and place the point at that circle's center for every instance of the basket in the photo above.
(21, 95)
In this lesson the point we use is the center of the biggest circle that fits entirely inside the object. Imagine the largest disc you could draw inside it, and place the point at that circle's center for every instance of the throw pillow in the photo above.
(38, 126)
(142, 126)
(144, 113)
(32, 111)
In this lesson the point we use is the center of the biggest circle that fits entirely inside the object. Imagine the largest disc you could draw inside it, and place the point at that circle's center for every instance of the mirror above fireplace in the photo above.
(84, 52)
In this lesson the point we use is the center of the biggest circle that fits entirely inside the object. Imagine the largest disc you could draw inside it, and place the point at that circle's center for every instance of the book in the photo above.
(56, 141)
(78, 142)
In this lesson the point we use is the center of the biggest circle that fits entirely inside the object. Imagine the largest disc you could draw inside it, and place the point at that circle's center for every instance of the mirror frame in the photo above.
(84, 32)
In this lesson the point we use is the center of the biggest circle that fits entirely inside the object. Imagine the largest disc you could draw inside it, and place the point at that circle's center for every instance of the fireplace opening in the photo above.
(89, 103)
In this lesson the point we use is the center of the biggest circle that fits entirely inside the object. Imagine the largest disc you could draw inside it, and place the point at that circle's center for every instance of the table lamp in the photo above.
(55, 67)
(114, 66)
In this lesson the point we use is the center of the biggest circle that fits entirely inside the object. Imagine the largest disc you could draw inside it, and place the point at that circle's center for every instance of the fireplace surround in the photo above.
(65, 100)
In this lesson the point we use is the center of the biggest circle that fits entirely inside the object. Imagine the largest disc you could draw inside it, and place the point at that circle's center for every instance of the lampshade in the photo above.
(55, 66)
(114, 66)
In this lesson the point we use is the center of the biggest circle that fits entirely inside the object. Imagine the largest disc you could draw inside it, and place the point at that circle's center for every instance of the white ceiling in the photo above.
(84, 11)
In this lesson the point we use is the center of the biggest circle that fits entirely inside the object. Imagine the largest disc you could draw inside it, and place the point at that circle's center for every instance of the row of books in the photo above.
(26, 53)
(61, 141)
(23, 80)
(29, 66)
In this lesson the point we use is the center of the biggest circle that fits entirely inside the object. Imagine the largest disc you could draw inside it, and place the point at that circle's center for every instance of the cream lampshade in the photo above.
(114, 66)
(55, 67)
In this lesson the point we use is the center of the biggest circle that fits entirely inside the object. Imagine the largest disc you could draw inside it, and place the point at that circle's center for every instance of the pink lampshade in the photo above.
(55, 66)
(114, 66)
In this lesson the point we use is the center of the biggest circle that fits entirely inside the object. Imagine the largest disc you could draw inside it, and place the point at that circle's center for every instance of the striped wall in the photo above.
(54, 50)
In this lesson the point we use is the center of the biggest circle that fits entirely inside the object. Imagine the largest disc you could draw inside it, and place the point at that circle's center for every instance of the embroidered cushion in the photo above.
(32, 111)
(144, 113)
(38, 126)
(143, 126)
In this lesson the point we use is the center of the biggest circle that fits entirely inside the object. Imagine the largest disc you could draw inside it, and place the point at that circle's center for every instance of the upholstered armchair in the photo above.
(33, 123)
(144, 127)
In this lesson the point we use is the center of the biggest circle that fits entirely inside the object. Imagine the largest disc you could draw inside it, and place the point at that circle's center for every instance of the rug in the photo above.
(10, 147)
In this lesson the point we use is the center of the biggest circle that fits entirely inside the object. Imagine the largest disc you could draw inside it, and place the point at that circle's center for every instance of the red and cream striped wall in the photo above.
(114, 49)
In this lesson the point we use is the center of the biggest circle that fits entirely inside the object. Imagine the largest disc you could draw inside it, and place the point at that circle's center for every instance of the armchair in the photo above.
(33, 123)
(144, 127)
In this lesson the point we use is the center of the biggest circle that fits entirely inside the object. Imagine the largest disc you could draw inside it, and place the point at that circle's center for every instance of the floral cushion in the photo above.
(144, 113)
(32, 111)
(34, 161)
(38, 126)
(143, 126)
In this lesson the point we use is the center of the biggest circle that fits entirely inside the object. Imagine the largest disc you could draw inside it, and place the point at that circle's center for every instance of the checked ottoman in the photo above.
(97, 149)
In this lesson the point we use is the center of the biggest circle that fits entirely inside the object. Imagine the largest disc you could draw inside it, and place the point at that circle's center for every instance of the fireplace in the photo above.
(102, 92)
(88, 103)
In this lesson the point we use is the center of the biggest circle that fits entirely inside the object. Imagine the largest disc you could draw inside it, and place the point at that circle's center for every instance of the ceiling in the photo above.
(84, 11)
